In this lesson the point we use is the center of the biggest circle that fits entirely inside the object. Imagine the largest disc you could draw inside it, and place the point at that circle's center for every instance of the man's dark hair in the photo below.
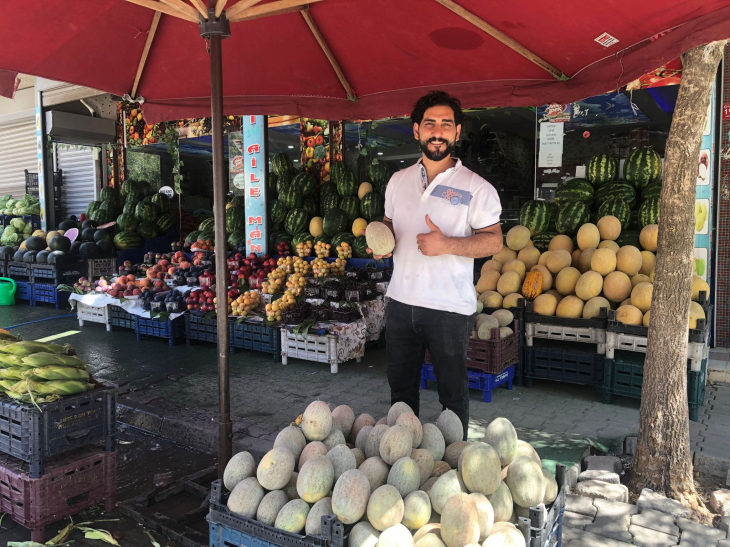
(436, 98)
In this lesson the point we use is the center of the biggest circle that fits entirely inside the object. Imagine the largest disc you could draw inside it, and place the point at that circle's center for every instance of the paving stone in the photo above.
(651, 538)
(724, 524)
(656, 520)
(652, 500)
(603, 463)
(617, 509)
(576, 520)
(724, 543)
(614, 527)
(575, 537)
(699, 535)
(630, 446)
(602, 490)
(720, 502)
(712, 463)
(603, 476)
(580, 505)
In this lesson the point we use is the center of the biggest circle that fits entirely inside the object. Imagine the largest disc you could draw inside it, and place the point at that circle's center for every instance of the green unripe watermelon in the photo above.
(542, 241)
(574, 190)
(296, 221)
(617, 207)
(207, 225)
(306, 183)
(372, 205)
(291, 197)
(338, 239)
(310, 206)
(124, 241)
(351, 206)
(615, 189)
(337, 171)
(127, 222)
(571, 216)
(162, 203)
(278, 211)
(360, 248)
(329, 202)
(282, 164)
(235, 238)
(302, 238)
(649, 212)
(642, 167)
(347, 185)
(166, 223)
(335, 221)
(91, 207)
(235, 219)
(146, 211)
(193, 236)
(535, 216)
(601, 169)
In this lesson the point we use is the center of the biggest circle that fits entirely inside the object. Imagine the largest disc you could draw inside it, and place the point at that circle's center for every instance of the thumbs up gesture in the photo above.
(434, 243)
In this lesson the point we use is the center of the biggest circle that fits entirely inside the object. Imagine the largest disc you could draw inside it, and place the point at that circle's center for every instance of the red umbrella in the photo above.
(344, 59)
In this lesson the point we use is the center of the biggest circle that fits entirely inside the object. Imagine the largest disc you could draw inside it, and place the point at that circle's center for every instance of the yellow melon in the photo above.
(593, 307)
(547, 277)
(545, 304)
(530, 244)
(517, 237)
(641, 296)
(315, 227)
(566, 280)
(505, 255)
(617, 286)
(543, 258)
(556, 294)
(358, 225)
(603, 261)
(588, 236)
(571, 307)
(589, 286)
(529, 257)
(695, 312)
(561, 242)
(491, 299)
(626, 302)
(575, 258)
(584, 262)
(628, 260)
(640, 278)
(646, 320)
(509, 282)
(492, 264)
(630, 315)
(558, 260)
(648, 237)
(512, 300)
(364, 189)
(515, 265)
(609, 227)
(608, 244)
(488, 281)
(699, 285)
(648, 262)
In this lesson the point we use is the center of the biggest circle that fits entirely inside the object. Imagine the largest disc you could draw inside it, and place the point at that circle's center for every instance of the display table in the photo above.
(102, 300)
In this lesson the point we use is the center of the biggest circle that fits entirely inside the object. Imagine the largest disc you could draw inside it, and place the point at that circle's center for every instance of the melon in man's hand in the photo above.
(380, 239)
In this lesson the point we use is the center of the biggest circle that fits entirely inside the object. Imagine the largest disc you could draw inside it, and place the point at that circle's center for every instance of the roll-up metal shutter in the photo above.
(17, 153)
(79, 178)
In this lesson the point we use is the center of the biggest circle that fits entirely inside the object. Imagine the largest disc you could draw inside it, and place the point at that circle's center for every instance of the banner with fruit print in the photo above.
(314, 136)
(704, 221)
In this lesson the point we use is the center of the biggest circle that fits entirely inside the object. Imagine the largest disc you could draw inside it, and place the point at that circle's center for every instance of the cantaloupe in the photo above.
(336, 437)
(500, 434)
(626, 302)
(512, 300)
(379, 238)
(551, 487)
(396, 410)
(584, 262)
(430, 528)
(647, 318)
(617, 287)
(291, 487)
(433, 441)
(504, 317)
(558, 260)
(547, 277)
(429, 540)
(363, 534)
(446, 485)
(603, 261)
(439, 468)
(345, 417)
(575, 258)
(315, 479)
(593, 307)
(376, 471)
(556, 294)
(383, 421)
(396, 536)
(526, 482)
(630, 315)
(275, 468)
(350, 496)
(491, 265)
(589, 285)
(385, 508)
(648, 262)
(361, 421)
(504, 332)
(342, 460)
(566, 280)
(316, 448)
(460, 521)
(699, 285)
(364, 189)
(485, 513)
(502, 503)
(313, 526)
(362, 437)
(639, 278)
(542, 261)
(416, 510)
(485, 318)
(240, 467)
(696, 312)
(561, 243)
(648, 237)
(509, 282)
(395, 444)
(609, 227)
(529, 257)
(413, 424)
(372, 445)
(292, 439)
(505, 255)
(424, 461)
(491, 299)
(588, 236)
(570, 307)
(293, 517)
(450, 426)
(245, 497)
(641, 296)
(270, 506)
(488, 281)
(480, 468)
(426, 486)
(608, 244)
(545, 304)
(405, 476)
(628, 260)
(517, 237)
(526, 449)
(505, 534)
(317, 421)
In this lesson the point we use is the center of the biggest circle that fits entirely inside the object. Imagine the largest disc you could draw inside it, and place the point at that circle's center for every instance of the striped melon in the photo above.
(617, 207)
(642, 167)
(542, 241)
(601, 169)
(535, 215)
(574, 190)
(571, 216)
(615, 189)
(652, 190)
(649, 212)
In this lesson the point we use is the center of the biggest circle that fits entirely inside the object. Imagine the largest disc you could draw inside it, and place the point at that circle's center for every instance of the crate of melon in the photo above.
(543, 526)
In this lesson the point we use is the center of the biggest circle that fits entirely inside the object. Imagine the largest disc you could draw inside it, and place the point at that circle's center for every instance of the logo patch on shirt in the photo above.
(452, 196)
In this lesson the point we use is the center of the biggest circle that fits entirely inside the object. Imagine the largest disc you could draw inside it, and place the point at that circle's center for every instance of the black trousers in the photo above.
(410, 330)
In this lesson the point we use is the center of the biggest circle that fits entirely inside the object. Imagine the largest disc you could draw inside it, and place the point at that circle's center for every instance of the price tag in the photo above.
(166, 190)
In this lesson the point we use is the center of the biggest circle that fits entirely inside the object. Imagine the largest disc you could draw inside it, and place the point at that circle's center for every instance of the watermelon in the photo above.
(296, 221)
(347, 185)
(329, 202)
(302, 238)
(107, 193)
(601, 169)
(379, 173)
(124, 241)
(207, 236)
(166, 222)
(91, 207)
(192, 236)
(235, 238)
(629, 237)
(338, 239)
(129, 207)
(147, 229)
(239, 201)
(615, 189)
(337, 171)
(574, 190)
(617, 207)
(535, 216)
(279, 237)
(129, 186)
(572, 216)
(146, 211)
(127, 222)
(642, 167)
(235, 219)
(100, 216)
(162, 202)
(291, 197)
(652, 190)
(273, 182)
(134, 197)
(360, 248)
(634, 223)
(324, 238)
(351, 206)
(277, 210)
(283, 182)
(377, 219)
(310, 206)
(207, 225)
(649, 212)
(542, 241)
(306, 184)
(372, 205)
(335, 221)
(111, 208)
(328, 189)
(282, 164)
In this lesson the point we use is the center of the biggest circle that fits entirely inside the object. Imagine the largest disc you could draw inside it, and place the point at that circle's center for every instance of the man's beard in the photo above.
(437, 155)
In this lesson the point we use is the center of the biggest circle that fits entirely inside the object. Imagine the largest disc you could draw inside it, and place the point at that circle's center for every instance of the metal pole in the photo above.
(225, 428)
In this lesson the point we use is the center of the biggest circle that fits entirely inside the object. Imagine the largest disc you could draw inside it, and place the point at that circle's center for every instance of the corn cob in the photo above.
(26, 348)
(50, 359)
(55, 373)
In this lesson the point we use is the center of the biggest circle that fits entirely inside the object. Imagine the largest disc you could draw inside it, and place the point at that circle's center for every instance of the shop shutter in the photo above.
(17, 153)
(79, 178)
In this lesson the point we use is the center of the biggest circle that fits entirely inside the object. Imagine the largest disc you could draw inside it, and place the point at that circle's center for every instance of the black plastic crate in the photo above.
(228, 529)
(256, 337)
(31, 183)
(47, 293)
(562, 365)
(172, 329)
(33, 435)
(197, 327)
(24, 291)
(101, 267)
(58, 274)
(19, 270)
(35, 221)
(119, 317)
(3, 266)
(698, 335)
(595, 323)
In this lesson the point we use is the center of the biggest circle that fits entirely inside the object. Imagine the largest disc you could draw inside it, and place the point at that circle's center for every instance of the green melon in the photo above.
(335, 221)
(615, 206)
(282, 164)
(146, 212)
(351, 206)
(574, 190)
(535, 215)
(649, 212)
(542, 241)
(296, 221)
(571, 216)
(278, 211)
(347, 185)
(124, 241)
(615, 189)
(642, 167)
(360, 248)
(162, 203)
(306, 184)
(166, 222)
(291, 197)
(372, 205)
(601, 169)
(235, 219)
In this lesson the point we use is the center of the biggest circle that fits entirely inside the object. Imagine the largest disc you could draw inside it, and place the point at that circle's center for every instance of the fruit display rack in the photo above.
(563, 365)
(585, 335)
(337, 344)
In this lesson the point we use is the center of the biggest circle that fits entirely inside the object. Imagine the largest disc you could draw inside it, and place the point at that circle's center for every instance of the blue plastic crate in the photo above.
(58, 274)
(48, 293)
(24, 291)
(197, 327)
(172, 329)
(484, 382)
(256, 337)
(575, 367)
(120, 318)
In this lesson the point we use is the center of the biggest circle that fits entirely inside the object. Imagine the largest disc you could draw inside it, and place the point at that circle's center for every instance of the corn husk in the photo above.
(55, 372)
(62, 388)
(44, 359)
(7, 384)
(13, 373)
(27, 347)
(8, 360)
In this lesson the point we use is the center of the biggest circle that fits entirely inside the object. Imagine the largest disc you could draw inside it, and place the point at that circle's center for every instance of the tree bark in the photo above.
(663, 460)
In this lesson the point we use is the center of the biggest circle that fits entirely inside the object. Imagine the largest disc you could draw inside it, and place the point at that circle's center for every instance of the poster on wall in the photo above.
(314, 137)
(235, 163)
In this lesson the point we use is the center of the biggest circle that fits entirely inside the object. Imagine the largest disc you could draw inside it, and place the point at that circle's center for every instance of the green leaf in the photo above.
(62, 535)
(103, 535)
(152, 539)
(210, 315)
(24, 544)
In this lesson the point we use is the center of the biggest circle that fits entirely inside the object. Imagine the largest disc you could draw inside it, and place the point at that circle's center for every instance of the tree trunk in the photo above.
(663, 460)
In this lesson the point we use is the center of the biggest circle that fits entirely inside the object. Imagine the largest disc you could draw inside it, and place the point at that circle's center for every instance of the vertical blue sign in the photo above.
(41, 166)
(703, 203)
(255, 169)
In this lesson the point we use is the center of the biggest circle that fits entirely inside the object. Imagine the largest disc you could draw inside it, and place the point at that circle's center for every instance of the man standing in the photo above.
(443, 216)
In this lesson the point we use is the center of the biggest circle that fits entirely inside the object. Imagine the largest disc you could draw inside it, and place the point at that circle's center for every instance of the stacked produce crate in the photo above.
(57, 435)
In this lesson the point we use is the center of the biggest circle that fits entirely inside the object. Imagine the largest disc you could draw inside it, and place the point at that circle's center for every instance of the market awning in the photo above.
(354, 59)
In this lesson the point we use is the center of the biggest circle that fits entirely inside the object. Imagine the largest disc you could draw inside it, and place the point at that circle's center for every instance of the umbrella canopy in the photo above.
(353, 59)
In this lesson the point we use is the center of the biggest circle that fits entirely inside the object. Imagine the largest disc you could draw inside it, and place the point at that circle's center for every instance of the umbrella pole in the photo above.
(215, 30)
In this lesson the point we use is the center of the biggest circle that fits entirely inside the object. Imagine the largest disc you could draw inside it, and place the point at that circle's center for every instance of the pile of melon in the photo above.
(398, 483)
(576, 278)
(485, 323)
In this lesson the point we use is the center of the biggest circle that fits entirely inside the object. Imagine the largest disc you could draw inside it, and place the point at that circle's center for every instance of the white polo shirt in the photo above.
(459, 202)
